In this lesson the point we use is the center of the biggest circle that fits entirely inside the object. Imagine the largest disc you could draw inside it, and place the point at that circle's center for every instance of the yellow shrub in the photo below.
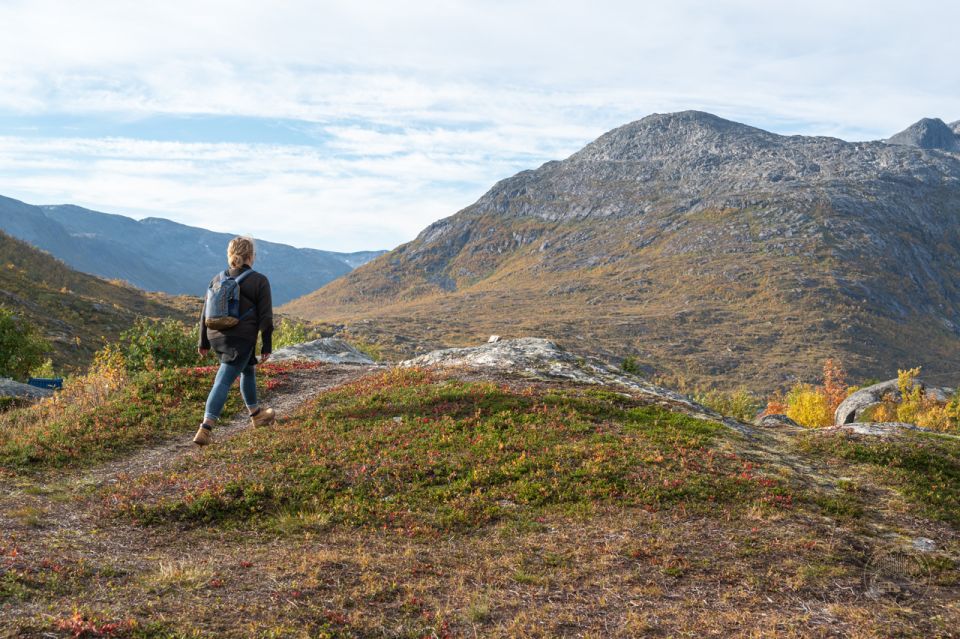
(911, 402)
(935, 417)
(885, 412)
(808, 406)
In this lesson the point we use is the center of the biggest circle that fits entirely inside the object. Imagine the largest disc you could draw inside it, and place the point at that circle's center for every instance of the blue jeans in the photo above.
(247, 373)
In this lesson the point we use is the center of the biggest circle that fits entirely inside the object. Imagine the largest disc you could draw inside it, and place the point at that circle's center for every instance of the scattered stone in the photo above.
(924, 545)
(326, 349)
(493, 339)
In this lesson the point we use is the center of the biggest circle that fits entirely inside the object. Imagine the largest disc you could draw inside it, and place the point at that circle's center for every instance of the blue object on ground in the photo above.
(46, 382)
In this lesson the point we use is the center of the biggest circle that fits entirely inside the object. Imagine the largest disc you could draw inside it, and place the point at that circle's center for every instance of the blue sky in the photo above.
(352, 125)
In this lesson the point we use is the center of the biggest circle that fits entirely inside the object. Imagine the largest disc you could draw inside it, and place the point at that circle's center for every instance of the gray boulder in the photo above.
(853, 406)
(11, 388)
(327, 349)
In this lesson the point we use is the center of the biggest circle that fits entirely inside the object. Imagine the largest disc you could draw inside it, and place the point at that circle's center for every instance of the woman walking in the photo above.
(234, 346)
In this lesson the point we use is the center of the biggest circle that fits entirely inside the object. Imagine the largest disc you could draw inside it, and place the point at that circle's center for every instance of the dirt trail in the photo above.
(299, 387)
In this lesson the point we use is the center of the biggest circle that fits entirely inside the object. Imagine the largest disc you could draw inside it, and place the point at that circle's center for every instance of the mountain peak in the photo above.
(928, 133)
(665, 133)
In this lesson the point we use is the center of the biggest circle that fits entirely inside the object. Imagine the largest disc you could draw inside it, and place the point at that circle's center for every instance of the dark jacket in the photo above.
(254, 291)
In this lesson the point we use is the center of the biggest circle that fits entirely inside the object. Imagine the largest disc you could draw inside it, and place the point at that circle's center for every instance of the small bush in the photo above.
(739, 404)
(835, 388)
(22, 348)
(152, 344)
(631, 365)
(44, 370)
(289, 331)
(371, 350)
(911, 394)
(809, 406)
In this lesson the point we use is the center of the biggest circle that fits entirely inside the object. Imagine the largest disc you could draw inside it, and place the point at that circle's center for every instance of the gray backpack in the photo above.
(222, 308)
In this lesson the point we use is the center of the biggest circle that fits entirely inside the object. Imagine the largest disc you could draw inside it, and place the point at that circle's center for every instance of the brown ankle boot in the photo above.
(204, 435)
(264, 416)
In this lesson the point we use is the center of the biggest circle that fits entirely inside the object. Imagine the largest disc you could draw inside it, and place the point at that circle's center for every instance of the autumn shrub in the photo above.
(813, 406)
(740, 404)
(809, 406)
(776, 405)
(911, 395)
(22, 347)
(159, 343)
(834, 387)
(885, 411)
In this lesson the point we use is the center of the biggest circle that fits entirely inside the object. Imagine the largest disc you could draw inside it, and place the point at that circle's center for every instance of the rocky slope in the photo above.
(76, 312)
(159, 255)
(706, 249)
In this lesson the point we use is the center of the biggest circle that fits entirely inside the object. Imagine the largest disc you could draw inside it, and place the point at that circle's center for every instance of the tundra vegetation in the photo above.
(448, 503)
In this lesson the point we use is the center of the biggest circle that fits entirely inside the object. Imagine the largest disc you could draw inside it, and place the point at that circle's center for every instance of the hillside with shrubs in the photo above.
(69, 314)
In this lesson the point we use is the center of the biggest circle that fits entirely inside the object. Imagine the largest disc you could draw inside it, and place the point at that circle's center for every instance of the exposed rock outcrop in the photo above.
(327, 349)
(882, 429)
(543, 359)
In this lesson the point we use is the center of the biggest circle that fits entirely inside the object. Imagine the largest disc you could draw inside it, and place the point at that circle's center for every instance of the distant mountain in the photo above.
(708, 250)
(159, 255)
(928, 133)
(76, 312)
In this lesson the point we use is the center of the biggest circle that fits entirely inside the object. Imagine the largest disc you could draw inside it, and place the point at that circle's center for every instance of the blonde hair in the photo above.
(240, 251)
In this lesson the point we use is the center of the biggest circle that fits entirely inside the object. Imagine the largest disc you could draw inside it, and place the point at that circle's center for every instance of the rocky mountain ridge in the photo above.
(157, 254)
(704, 248)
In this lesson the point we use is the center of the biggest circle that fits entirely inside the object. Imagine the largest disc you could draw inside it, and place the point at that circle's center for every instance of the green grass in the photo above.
(924, 467)
(150, 406)
(405, 450)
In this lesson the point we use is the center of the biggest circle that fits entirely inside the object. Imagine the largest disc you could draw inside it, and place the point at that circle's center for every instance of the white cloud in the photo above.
(417, 108)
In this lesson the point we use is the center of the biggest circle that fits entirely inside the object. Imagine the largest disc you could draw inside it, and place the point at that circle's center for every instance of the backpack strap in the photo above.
(238, 279)
(242, 276)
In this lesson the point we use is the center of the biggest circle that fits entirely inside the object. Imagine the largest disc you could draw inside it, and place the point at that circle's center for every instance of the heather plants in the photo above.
(923, 466)
(409, 450)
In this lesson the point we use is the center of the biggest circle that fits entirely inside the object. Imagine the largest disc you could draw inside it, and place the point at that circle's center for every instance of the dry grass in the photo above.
(613, 569)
